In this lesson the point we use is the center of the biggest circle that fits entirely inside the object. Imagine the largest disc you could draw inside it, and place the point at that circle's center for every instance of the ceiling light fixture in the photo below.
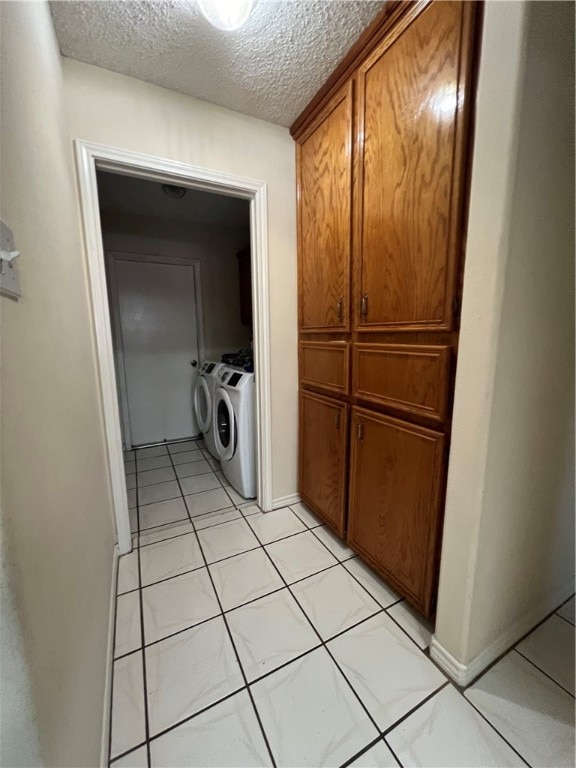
(174, 192)
(226, 14)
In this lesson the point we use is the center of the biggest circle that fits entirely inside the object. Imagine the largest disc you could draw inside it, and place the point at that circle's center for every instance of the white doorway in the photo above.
(156, 304)
(90, 159)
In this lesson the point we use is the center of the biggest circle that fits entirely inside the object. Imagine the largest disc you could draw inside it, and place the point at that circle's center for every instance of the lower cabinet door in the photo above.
(394, 517)
(323, 457)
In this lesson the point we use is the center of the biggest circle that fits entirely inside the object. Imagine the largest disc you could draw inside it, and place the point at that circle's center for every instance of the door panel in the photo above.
(323, 457)
(394, 516)
(408, 110)
(325, 365)
(157, 317)
(325, 199)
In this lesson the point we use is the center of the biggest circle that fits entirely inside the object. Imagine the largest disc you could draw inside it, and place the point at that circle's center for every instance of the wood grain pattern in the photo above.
(325, 365)
(408, 378)
(324, 162)
(323, 457)
(408, 94)
(397, 479)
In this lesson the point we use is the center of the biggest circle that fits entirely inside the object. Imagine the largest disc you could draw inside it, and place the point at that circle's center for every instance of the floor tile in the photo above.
(153, 476)
(388, 672)
(130, 482)
(150, 494)
(244, 577)
(128, 572)
(310, 715)
(155, 450)
(187, 457)
(238, 500)
(164, 532)
(378, 756)
(334, 544)
(170, 558)
(251, 509)
(128, 629)
(415, 625)
(447, 731)
(567, 611)
(188, 672)
(308, 518)
(214, 463)
(227, 734)
(133, 517)
(199, 483)
(380, 591)
(551, 648)
(222, 477)
(132, 498)
(129, 455)
(187, 445)
(153, 462)
(300, 556)
(128, 729)
(136, 759)
(193, 468)
(178, 603)
(162, 512)
(334, 601)
(207, 501)
(129, 467)
(270, 632)
(271, 526)
(530, 711)
(226, 540)
(216, 518)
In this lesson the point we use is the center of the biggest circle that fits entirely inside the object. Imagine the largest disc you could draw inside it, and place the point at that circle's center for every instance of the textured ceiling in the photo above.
(139, 197)
(270, 68)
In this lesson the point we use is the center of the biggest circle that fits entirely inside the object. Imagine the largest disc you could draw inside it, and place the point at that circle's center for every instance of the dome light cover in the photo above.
(226, 14)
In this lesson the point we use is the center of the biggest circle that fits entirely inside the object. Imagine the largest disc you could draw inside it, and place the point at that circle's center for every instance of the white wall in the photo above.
(508, 548)
(56, 502)
(215, 247)
(119, 111)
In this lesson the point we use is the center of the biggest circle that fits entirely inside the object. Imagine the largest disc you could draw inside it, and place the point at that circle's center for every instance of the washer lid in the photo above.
(225, 431)
(203, 404)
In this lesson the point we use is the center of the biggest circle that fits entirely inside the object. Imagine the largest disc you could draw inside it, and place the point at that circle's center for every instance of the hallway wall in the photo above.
(508, 549)
(112, 109)
(56, 503)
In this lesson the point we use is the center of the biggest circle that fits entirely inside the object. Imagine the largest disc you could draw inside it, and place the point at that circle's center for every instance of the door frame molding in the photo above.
(91, 157)
(112, 256)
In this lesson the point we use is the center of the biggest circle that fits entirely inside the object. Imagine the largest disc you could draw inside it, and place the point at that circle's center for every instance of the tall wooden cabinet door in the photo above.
(412, 105)
(323, 457)
(396, 481)
(324, 158)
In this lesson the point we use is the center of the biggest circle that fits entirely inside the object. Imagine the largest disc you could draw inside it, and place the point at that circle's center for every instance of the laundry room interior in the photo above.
(178, 273)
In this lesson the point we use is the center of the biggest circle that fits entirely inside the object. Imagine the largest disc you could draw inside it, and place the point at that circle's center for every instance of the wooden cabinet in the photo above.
(383, 159)
(396, 483)
(406, 202)
(324, 217)
(323, 455)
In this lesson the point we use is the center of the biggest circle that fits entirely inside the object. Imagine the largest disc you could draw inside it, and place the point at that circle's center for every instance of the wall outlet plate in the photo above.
(9, 275)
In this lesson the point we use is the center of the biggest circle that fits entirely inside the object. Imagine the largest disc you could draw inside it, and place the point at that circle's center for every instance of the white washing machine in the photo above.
(235, 429)
(204, 402)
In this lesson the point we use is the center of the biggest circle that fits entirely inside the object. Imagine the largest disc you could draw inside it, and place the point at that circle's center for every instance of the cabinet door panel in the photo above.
(324, 207)
(409, 162)
(394, 515)
(325, 365)
(323, 457)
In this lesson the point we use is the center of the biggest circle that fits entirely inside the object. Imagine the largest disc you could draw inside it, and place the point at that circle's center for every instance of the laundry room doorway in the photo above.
(138, 345)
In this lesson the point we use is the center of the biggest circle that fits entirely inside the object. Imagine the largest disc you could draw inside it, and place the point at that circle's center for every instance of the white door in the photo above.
(157, 318)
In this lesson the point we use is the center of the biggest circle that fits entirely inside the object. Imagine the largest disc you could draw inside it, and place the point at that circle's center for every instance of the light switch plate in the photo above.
(9, 275)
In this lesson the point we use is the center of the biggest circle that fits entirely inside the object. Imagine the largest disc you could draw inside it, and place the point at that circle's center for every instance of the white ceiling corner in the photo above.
(269, 69)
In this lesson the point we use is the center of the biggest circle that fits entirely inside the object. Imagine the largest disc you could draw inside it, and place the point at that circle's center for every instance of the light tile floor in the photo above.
(245, 639)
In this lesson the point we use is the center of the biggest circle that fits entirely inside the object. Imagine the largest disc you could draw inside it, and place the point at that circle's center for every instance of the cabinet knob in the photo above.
(364, 305)
(360, 430)
(337, 419)
(340, 307)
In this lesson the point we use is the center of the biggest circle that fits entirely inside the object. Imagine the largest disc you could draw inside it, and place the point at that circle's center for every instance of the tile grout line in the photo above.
(542, 671)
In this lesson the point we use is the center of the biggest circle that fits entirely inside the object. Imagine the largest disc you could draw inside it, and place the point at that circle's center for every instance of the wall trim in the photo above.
(286, 501)
(91, 157)
(109, 664)
(464, 674)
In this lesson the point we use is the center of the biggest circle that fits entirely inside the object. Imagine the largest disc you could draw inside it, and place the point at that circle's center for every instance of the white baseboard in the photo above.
(464, 674)
(109, 663)
(285, 501)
